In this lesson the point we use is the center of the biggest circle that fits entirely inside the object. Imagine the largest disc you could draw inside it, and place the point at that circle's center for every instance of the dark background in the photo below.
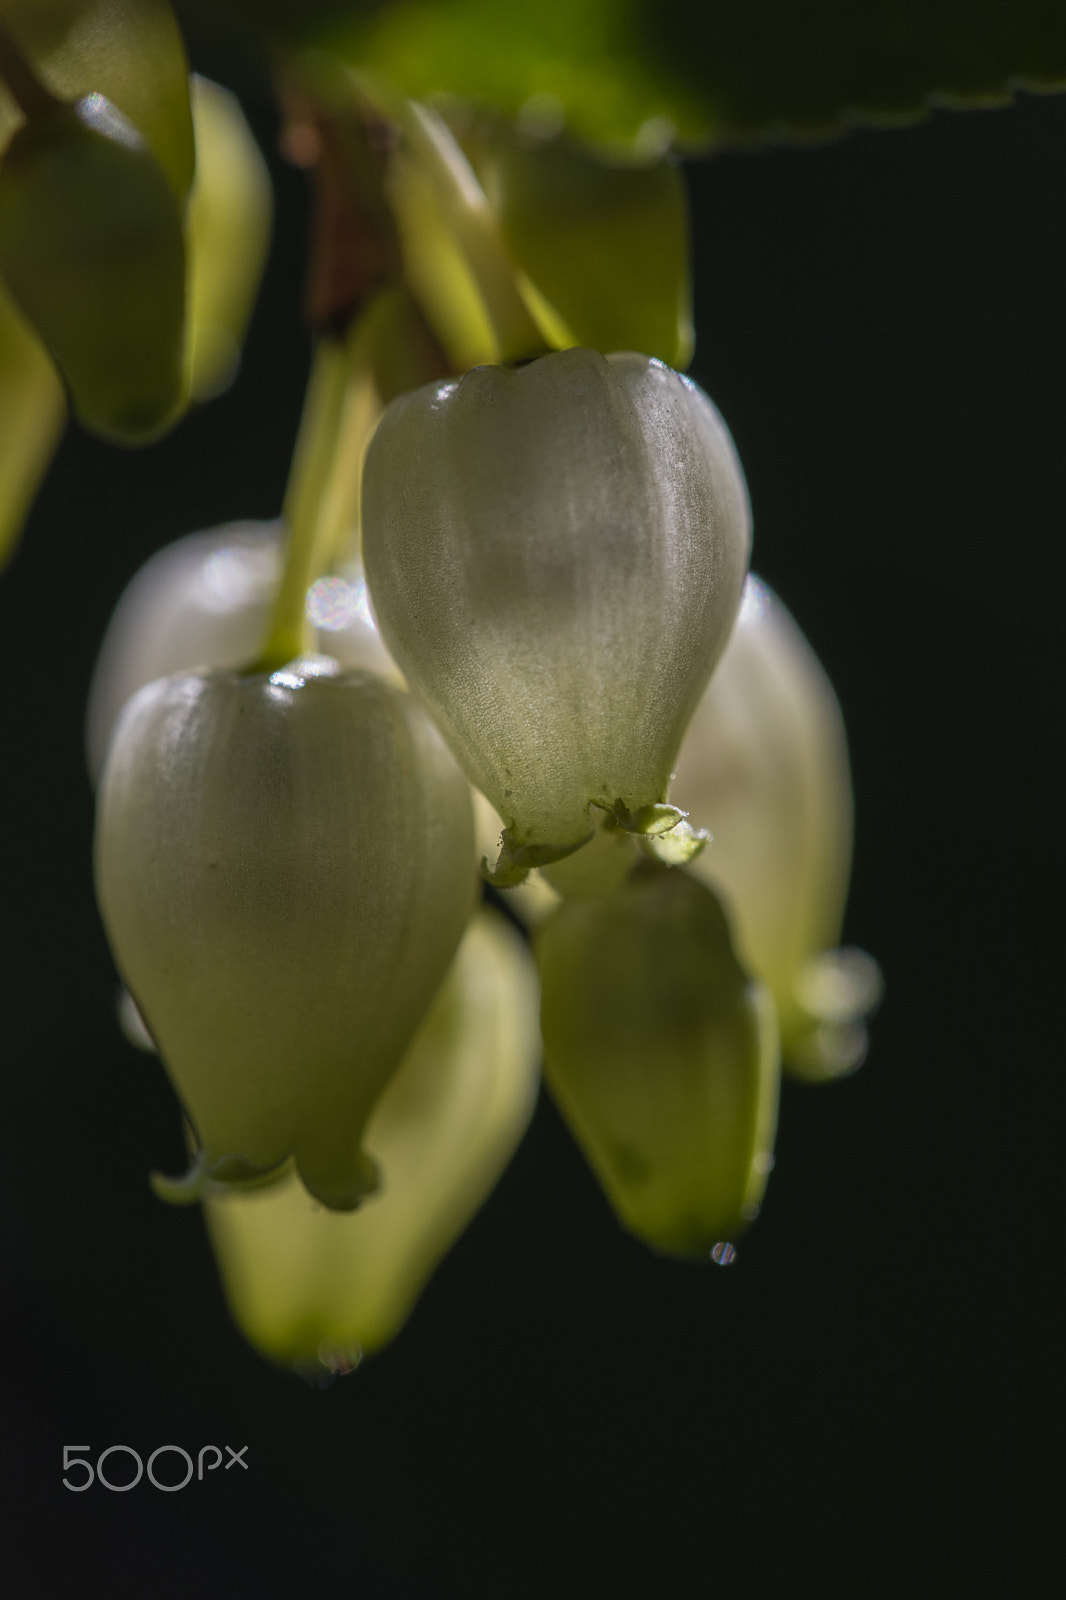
(861, 1405)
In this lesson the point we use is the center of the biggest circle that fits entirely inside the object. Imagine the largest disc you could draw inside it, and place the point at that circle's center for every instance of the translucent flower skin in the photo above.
(556, 554)
(662, 1056)
(204, 602)
(312, 1288)
(764, 766)
(284, 867)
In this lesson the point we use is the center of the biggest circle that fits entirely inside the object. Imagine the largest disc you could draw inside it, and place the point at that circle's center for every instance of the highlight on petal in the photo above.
(556, 554)
(284, 870)
(203, 602)
(662, 1056)
(304, 1283)
(764, 765)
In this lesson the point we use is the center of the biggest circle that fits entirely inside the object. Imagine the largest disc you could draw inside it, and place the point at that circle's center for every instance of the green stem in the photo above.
(313, 459)
(473, 225)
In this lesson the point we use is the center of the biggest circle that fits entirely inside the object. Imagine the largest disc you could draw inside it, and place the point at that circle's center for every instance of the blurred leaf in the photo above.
(628, 72)
(129, 50)
(32, 409)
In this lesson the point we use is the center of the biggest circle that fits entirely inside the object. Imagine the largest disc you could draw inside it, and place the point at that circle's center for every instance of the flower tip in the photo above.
(340, 1187)
(516, 861)
(650, 820)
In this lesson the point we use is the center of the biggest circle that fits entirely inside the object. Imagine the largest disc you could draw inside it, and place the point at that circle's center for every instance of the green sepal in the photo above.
(679, 847)
(516, 861)
(648, 820)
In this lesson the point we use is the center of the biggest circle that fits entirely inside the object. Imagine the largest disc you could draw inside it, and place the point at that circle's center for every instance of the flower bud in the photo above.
(32, 411)
(284, 869)
(227, 231)
(203, 602)
(662, 1056)
(129, 50)
(764, 765)
(602, 244)
(91, 248)
(556, 555)
(310, 1287)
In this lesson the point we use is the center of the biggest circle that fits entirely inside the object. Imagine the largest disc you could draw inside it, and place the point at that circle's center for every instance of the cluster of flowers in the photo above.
(575, 676)
(286, 859)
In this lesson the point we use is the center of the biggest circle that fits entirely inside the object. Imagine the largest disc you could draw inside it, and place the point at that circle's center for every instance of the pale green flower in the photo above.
(310, 1286)
(556, 554)
(764, 766)
(284, 866)
(663, 1057)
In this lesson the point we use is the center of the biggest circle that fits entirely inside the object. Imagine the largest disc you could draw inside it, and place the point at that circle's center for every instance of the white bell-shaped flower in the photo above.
(284, 867)
(556, 554)
(204, 602)
(316, 1289)
(764, 766)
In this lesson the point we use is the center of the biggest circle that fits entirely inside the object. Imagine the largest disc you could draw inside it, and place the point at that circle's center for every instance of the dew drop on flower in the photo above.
(333, 603)
(723, 1255)
(339, 1360)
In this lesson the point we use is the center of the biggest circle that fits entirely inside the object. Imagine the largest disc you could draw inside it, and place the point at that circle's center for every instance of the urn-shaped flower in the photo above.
(309, 1286)
(663, 1057)
(556, 554)
(284, 866)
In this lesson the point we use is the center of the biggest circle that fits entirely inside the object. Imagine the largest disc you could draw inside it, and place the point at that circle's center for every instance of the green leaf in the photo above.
(634, 72)
(128, 50)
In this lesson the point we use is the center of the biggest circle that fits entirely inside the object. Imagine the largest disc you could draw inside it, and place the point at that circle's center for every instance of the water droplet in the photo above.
(295, 673)
(333, 603)
(339, 1360)
(723, 1254)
